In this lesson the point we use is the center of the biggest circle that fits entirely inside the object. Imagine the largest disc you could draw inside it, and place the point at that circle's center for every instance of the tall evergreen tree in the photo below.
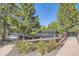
(5, 11)
(19, 16)
(67, 16)
(26, 23)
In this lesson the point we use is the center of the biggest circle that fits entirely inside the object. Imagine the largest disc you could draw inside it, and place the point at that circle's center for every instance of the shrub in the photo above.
(42, 47)
(24, 47)
(51, 45)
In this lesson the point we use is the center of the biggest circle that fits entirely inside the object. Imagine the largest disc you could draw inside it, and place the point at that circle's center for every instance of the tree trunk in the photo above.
(23, 37)
(66, 34)
(4, 31)
(78, 37)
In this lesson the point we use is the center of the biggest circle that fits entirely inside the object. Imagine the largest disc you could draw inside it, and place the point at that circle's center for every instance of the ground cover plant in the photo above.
(41, 47)
(24, 47)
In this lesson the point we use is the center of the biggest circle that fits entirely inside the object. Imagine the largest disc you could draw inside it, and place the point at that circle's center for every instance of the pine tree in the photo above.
(26, 22)
(67, 16)
(5, 11)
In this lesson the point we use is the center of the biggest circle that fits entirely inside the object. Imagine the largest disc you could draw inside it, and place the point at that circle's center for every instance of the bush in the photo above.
(42, 47)
(24, 47)
(51, 45)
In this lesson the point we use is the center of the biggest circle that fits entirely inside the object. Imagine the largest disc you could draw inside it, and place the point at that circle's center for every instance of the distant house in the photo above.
(47, 34)
(73, 33)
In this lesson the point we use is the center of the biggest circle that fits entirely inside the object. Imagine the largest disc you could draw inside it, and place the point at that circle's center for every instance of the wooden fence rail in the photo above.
(46, 39)
(63, 39)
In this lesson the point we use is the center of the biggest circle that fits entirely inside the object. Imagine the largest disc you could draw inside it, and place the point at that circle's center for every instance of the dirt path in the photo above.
(5, 49)
(70, 48)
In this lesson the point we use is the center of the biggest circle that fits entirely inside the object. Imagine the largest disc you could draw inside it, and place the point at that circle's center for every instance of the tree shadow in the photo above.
(5, 42)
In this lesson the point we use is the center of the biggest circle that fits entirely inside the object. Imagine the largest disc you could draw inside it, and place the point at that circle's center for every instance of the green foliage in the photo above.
(43, 28)
(53, 25)
(6, 10)
(25, 21)
(42, 47)
(24, 47)
(19, 16)
(61, 31)
(67, 16)
(51, 45)
(35, 26)
(34, 32)
(45, 47)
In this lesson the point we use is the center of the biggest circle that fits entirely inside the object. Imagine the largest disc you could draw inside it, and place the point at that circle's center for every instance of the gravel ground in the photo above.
(0, 46)
(2, 43)
(14, 52)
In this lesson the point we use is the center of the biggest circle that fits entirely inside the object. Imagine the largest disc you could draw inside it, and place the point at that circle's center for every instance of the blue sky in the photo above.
(47, 12)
